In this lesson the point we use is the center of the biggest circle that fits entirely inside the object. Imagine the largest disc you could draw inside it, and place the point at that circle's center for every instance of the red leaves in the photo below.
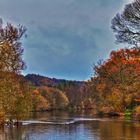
(121, 64)
(116, 82)
(124, 57)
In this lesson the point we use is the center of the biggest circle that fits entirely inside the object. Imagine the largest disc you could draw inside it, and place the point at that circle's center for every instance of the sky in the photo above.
(64, 37)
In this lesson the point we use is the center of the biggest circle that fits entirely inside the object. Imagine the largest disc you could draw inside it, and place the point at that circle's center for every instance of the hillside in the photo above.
(38, 80)
(74, 91)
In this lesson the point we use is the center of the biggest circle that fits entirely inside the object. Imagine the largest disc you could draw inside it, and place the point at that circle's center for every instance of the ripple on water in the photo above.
(60, 122)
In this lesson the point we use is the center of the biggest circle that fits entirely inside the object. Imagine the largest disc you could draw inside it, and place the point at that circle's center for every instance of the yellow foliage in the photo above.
(49, 98)
(42, 103)
(137, 109)
(106, 109)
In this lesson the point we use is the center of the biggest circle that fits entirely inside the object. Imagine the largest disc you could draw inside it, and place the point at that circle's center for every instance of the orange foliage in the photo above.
(116, 81)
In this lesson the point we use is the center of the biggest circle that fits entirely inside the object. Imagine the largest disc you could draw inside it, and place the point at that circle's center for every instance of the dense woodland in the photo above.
(114, 86)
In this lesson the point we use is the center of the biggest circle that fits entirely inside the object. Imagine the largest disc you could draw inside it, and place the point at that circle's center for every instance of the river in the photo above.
(60, 125)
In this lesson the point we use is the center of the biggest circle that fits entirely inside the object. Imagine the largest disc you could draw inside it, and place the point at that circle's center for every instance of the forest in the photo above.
(113, 88)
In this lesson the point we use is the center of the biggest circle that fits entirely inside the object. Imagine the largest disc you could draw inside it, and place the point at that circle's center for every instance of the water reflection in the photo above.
(100, 129)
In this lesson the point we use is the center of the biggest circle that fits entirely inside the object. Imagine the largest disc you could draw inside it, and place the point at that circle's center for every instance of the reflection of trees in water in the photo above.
(106, 129)
(50, 115)
(62, 114)
(117, 130)
(137, 127)
(2, 135)
(14, 133)
(113, 129)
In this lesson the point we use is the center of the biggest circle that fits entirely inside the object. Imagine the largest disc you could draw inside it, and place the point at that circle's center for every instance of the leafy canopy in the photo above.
(10, 48)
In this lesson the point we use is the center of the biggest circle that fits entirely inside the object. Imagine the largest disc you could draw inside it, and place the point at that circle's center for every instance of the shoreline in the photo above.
(132, 117)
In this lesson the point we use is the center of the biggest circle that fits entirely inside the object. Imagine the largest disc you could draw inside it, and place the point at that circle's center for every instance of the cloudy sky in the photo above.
(65, 37)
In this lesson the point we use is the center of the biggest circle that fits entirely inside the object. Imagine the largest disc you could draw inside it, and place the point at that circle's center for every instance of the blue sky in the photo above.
(65, 37)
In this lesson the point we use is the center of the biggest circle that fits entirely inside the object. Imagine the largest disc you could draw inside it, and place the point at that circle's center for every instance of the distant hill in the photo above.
(38, 80)
(60, 93)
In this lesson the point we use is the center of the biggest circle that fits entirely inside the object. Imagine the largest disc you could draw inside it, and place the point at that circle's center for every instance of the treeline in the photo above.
(114, 86)
(74, 91)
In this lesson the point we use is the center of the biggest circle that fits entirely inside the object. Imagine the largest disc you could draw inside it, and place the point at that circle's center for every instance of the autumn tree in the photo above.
(40, 103)
(48, 98)
(126, 25)
(116, 81)
(10, 48)
(15, 95)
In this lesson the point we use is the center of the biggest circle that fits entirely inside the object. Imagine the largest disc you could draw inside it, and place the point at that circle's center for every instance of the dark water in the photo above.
(72, 126)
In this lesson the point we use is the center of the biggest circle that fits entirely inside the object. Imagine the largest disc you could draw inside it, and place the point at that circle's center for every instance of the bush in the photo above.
(128, 112)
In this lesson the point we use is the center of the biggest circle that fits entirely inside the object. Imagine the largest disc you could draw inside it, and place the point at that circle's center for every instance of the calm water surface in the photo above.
(72, 126)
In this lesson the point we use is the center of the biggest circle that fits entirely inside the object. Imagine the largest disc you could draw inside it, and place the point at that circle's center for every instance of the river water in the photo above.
(72, 126)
